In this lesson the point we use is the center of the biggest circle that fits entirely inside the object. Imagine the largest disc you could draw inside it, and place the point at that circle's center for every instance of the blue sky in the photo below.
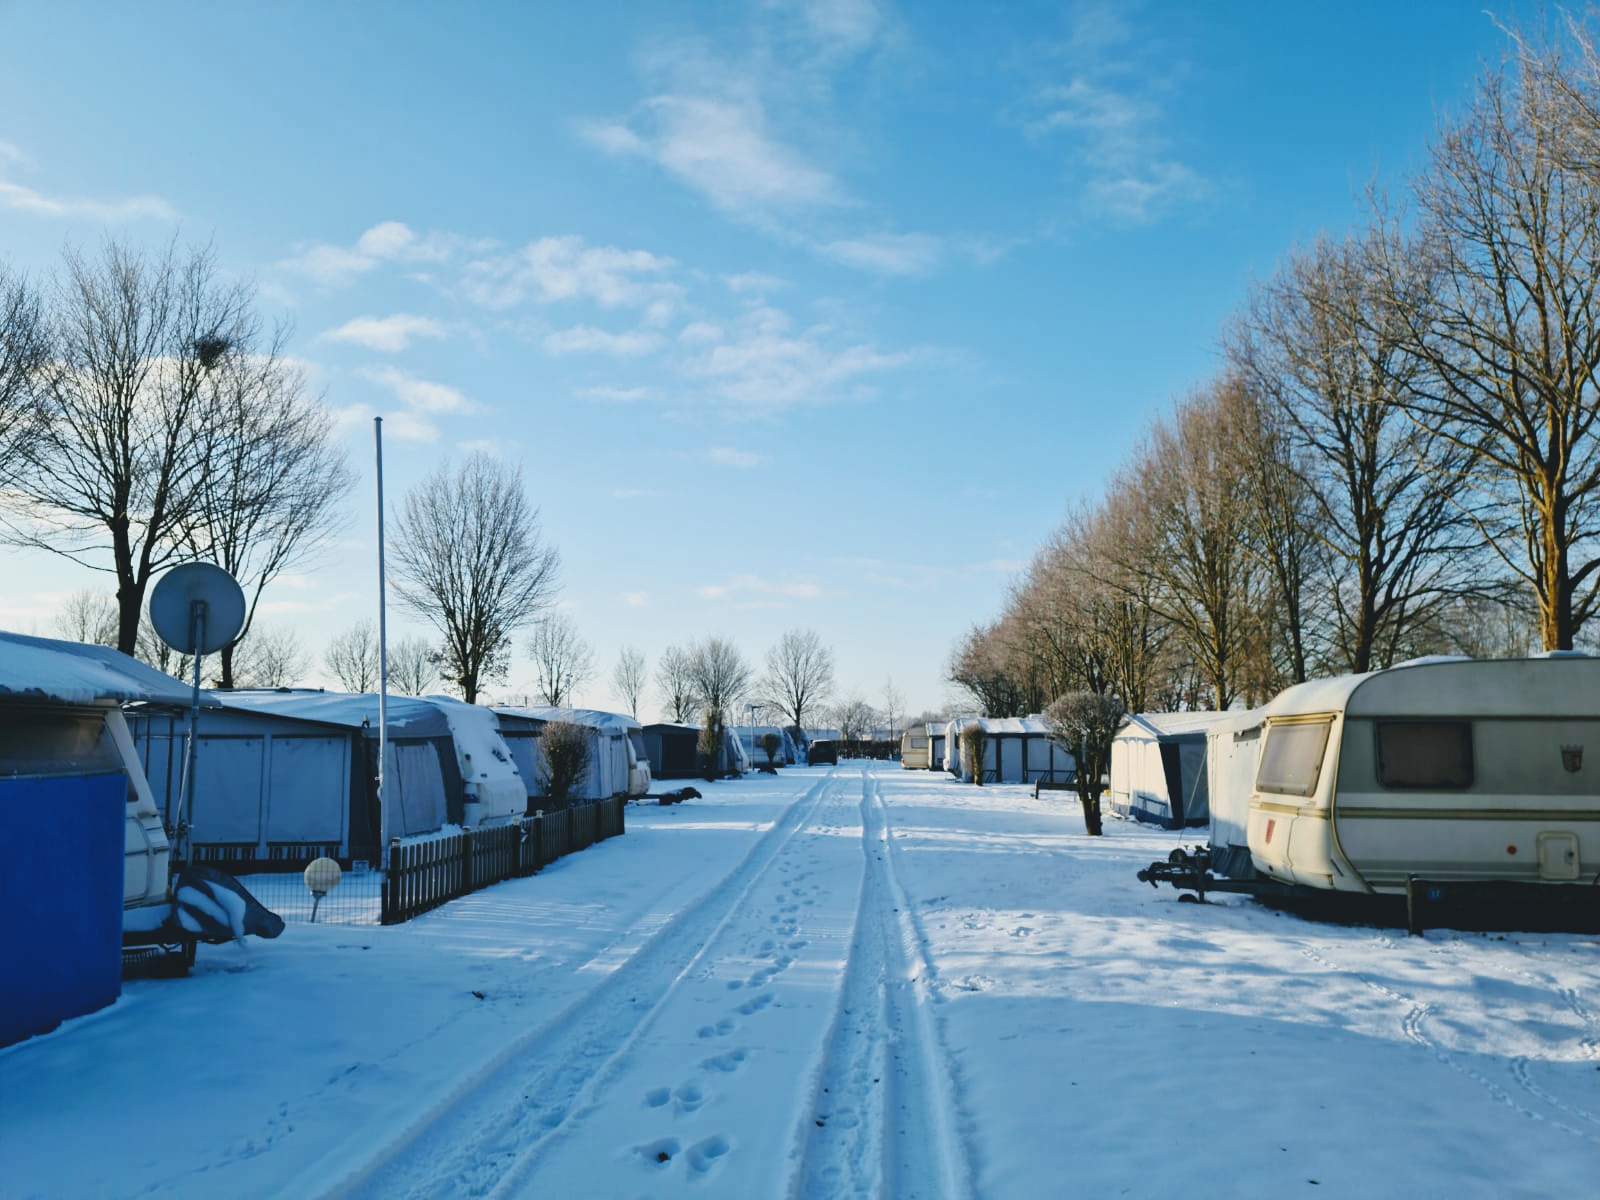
(794, 314)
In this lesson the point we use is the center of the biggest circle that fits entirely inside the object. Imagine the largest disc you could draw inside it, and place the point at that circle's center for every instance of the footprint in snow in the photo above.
(658, 1153)
(689, 1097)
(726, 1063)
(755, 1004)
(703, 1155)
(656, 1097)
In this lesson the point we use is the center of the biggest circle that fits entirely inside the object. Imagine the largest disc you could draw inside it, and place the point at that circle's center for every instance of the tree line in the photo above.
(1397, 456)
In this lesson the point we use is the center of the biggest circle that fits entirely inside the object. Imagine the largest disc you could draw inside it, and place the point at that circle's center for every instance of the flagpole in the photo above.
(383, 658)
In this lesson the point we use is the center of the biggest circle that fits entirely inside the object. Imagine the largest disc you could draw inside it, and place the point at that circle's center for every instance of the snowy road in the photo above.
(784, 993)
(857, 982)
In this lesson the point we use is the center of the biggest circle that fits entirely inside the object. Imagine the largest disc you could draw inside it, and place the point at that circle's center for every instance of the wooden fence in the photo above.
(423, 875)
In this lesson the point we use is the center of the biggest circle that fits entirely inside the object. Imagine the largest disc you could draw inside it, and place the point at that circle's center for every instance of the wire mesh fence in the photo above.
(356, 900)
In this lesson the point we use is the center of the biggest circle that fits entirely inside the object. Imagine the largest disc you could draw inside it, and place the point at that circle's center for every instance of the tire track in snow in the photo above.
(890, 1125)
(478, 1135)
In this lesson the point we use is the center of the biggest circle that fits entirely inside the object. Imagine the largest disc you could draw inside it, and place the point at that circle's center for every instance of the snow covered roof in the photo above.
(1008, 725)
(1173, 724)
(1458, 686)
(75, 673)
(605, 722)
(404, 715)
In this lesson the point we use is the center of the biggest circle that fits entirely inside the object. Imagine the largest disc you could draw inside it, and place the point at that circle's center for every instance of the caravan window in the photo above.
(1291, 761)
(1425, 754)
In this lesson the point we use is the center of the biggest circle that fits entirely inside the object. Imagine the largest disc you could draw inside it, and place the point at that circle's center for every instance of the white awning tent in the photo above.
(750, 737)
(617, 762)
(1016, 750)
(1233, 747)
(1158, 768)
(447, 761)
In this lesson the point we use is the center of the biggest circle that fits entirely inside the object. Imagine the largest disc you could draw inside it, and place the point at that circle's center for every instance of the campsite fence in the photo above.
(424, 875)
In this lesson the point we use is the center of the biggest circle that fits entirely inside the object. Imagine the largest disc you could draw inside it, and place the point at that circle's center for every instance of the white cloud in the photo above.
(709, 129)
(753, 283)
(420, 395)
(385, 242)
(763, 368)
(14, 155)
(390, 333)
(729, 457)
(586, 339)
(133, 208)
(567, 268)
(1111, 106)
(613, 395)
(400, 425)
(636, 599)
(700, 332)
(888, 253)
(754, 585)
(489, 446)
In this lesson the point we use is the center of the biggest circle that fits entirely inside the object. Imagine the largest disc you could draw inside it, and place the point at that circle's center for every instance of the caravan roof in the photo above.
(78, 673)
(406, 716)
(594, 718)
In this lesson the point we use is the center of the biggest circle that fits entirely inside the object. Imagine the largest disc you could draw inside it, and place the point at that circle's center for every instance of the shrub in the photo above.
(566, 757)
(711, 735)
(770, 743)
(974, 741)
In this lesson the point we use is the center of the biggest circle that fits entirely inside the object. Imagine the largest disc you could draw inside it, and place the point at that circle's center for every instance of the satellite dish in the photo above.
(173, 612)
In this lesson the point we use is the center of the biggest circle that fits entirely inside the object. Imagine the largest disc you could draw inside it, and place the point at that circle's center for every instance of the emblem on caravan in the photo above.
(1572, 759)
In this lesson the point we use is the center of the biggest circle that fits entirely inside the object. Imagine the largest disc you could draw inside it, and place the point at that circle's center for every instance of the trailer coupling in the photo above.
(1190, 871)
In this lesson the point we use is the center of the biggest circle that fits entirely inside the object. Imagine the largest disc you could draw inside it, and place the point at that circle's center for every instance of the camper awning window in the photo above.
(1425, 754)
(1291, 761)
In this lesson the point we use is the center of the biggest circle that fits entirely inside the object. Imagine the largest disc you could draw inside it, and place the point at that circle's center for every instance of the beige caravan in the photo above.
(1449, 769)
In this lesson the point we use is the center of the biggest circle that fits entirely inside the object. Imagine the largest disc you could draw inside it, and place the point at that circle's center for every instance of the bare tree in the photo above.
(274, 658)
(413, 667)
(628, 679)
(986, 665)
(24, 353)
(718, 673)
(1326, 348)
(854, 718)
(268, 498)
(675, 682)
(352, 658)
(88, 616)
(562, 661)
(1195, 555)
(892, 702)
(468, 559)
(113, 467)
(1511, 225)
(799, 675)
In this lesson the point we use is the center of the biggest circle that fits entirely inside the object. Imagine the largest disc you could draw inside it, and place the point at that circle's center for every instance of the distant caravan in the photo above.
(915, 753)
(1452, 771)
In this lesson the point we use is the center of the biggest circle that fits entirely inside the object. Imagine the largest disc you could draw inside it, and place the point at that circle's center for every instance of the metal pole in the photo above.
(197, 632)
(383, 649)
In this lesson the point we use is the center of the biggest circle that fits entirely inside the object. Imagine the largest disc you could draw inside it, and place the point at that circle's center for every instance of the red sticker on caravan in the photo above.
(1270, 826)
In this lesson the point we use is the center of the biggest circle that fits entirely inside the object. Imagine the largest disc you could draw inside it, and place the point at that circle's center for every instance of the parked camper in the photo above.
(1233, 746)
(618, 765)
(751, 736)
(914, 749)
(1158, 768)
(1453, 771)
(288, 774)
(1016, 750)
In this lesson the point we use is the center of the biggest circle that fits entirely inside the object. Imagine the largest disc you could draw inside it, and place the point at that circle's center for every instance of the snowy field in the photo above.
(849, 982)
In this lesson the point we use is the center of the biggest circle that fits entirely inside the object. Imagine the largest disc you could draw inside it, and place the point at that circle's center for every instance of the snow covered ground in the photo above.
(852, 982)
